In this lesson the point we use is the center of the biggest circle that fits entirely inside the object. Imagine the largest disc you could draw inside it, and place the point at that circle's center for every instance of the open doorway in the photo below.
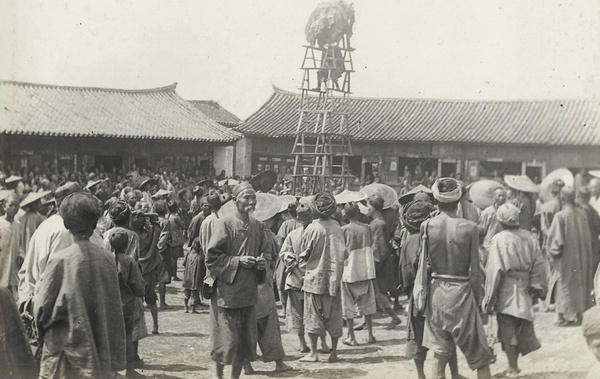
(109, 162)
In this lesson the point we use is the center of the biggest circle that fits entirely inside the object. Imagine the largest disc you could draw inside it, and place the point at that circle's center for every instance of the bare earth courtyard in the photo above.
(182, 350)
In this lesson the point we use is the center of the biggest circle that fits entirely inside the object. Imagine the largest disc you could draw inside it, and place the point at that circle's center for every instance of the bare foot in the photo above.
(393, 323)
(360, 326)
(248, 369)
(165, 306)
(281, 367)
(349, 342)
(186, 311)
(371, 340)
(195, 311)
(333, 357)
(311, 357)
(303, 349)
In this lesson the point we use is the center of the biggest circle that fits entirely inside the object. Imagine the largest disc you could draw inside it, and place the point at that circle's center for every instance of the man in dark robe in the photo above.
(77, 307)
(570, 246)
(233, 258)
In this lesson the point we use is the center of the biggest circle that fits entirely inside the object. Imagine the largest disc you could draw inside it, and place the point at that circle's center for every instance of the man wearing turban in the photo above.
(233, 256)
(515, 275)
(324, 253)
(451, 312)
(569, 245)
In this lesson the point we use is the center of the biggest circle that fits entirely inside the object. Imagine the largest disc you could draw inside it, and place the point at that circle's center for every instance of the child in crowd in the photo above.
(131, 285)
(193, 275)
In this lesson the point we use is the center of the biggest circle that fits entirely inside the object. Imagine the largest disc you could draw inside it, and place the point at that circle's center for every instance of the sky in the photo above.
(235, 51)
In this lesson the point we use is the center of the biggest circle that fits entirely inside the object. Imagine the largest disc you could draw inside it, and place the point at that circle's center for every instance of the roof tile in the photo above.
(159, 113)
(535, 122)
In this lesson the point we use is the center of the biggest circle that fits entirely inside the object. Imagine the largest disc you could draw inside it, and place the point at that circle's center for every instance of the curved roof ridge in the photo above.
(278, 90)
(170, 87)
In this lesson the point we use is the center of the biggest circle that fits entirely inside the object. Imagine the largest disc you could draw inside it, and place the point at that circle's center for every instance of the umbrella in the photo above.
(410, 195)
(264, 181)
(482, 192)
(390, 196)
(561, 173)
(595, 173)
(208, 183)
(147, 181)
(521, 183)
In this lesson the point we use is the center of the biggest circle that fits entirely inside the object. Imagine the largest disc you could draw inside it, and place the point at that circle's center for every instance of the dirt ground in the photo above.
(182, 350)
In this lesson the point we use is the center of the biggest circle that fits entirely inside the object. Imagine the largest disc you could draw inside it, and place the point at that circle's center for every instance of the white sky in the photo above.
(233, 51)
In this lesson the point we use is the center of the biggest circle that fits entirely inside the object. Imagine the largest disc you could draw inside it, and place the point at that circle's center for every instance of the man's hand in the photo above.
(261, 263)
(247, 261)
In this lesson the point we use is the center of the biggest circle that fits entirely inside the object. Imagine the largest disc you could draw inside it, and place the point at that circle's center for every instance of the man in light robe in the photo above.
(488, 221)
(214, 203)
(451, 313)
(296, 268)
(11, 252)
(594, 188)
(233, 258)
(324, 253)
(515, 276)
(32, 219)
(286, 227)
(570, 246)
(77, 307)
(50, 237)
(358, 279)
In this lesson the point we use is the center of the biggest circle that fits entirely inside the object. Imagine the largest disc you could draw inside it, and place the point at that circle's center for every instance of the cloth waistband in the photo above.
(523, 275)
(450, 278)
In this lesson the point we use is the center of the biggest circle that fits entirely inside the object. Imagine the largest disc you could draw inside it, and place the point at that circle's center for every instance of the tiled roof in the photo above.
(215, 111)
(158, 113)
(553, 122)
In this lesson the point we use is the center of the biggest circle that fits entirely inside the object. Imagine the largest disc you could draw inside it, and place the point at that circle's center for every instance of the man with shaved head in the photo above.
(233, 256)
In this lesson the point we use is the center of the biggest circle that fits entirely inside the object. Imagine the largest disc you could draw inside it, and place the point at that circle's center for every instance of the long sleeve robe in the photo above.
(515, 264)
(290, 256)
(10, 250)
(324, 255)
(570, 246)
(30, 221)
(50, 237)
(232, 238)
(77, 309)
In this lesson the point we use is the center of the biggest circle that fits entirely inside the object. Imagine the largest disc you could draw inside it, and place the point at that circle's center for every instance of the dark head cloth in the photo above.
(414, 214)
(119, 211)
(325, 204)
(590, 325)
(303, 212)
(240, 187)
(80, 211)
(376, 201)
(118, 239)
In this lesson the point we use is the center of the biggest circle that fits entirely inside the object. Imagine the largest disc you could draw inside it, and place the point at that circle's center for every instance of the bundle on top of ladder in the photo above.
(322, 146)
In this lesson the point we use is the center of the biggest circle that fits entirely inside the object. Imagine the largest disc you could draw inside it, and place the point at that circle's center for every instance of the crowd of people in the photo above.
(79, 261)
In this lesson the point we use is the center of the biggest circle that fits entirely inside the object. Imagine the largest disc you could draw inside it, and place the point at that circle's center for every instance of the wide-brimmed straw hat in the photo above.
(482, 192)
(410, 195)
(267, 206)
(285, 201)
(390, 196)
(347, 196)
(32, 197)
(229, 182)
(160, 193)
(521, 183)
(559, 174)
(12, 179)
(264, 181)
(147, 181)
(92, 183)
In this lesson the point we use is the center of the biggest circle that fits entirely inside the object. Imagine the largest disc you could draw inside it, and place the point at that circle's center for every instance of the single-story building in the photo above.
(469, 139)
(76, 127)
